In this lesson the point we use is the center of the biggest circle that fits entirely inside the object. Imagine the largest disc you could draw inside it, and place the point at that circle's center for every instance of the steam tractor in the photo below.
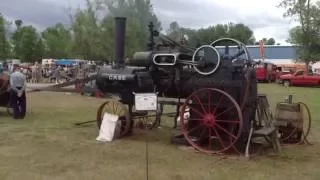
(217, 86)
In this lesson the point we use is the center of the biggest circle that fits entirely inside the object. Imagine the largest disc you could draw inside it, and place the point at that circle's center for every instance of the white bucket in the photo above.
(107, 128)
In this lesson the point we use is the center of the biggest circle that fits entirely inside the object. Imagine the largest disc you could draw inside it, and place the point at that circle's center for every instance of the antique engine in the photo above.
(215, 80)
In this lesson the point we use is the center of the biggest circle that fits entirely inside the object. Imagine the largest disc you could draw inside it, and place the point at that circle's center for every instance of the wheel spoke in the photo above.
(202, 133)
(195, 110)
(116, 109)
(218, 104)
(195, 128)
(194, 119)
(227, 132)
(201, 104)
(228, 109)
(113, 107)
(218, 137)
(209, 102)
(228, 121)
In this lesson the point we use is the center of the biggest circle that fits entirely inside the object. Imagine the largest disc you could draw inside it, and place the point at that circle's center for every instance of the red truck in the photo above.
(300, 78)
(266, 72)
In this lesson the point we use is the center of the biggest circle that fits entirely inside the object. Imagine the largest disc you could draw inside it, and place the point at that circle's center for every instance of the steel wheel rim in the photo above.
(305, 132)
(212, 127)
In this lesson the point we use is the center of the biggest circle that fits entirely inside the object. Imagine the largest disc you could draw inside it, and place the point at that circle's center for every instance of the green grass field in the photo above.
(47, 145)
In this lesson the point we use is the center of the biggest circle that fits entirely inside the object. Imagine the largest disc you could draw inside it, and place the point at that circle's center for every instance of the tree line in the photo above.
(307, 33)
(90, 35)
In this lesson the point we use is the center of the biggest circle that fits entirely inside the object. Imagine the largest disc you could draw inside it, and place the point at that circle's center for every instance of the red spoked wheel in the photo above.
(215, 123)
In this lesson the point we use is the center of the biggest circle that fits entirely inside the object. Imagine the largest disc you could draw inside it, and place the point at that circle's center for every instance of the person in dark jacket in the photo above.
(17, 93)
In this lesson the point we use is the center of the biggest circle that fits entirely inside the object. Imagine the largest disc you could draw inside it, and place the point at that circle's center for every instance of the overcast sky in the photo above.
(262, 16)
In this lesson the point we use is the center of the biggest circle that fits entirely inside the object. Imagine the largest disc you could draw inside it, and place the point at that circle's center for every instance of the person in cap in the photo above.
(17, 93)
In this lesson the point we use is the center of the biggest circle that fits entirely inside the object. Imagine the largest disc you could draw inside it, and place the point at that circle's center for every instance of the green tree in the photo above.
(174, 31)
(4, 44)
(39, 53)
(16, 39)
(24, 41)
(240, 32)
(270, 41)
(28, 43)
(307, 34)
(57, 40)
(18, 23)
(207, 35)
(140, 14)
(87, 34)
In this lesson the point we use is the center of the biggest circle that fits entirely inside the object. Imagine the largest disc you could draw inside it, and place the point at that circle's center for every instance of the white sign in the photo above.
(146, 101)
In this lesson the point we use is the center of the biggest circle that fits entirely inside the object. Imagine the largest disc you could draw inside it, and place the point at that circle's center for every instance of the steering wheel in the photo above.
(242, 49)
(208, 59)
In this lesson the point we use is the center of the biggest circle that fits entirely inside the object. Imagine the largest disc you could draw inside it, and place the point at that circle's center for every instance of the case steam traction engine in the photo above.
(216, 84)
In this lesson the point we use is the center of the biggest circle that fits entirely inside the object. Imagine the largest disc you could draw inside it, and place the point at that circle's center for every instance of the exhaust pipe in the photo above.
(120, 34)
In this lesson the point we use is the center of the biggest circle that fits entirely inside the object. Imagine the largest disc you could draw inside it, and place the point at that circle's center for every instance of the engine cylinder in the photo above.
(141, 59)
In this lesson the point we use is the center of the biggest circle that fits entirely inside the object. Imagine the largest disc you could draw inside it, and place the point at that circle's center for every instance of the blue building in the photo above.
(273, 53)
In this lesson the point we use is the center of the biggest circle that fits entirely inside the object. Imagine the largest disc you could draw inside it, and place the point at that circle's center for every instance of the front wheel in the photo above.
(286, 83)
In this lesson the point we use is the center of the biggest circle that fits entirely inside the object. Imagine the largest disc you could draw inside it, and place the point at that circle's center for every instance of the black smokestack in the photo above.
(120, 34)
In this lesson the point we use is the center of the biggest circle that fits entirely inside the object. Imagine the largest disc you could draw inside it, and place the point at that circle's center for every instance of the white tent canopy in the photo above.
(282, 61)
(277, 61)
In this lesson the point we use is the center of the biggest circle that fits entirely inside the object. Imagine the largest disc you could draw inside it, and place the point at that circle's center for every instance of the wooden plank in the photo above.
(265, 131)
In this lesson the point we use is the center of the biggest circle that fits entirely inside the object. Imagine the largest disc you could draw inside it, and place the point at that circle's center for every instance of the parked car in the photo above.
(300, 78)
(283, 69)
(266, 72)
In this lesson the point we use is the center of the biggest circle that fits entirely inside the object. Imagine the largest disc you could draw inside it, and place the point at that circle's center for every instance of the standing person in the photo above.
(17, 93)
(10, 68)
(56, 74)
(38, 72)
(34, 74)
